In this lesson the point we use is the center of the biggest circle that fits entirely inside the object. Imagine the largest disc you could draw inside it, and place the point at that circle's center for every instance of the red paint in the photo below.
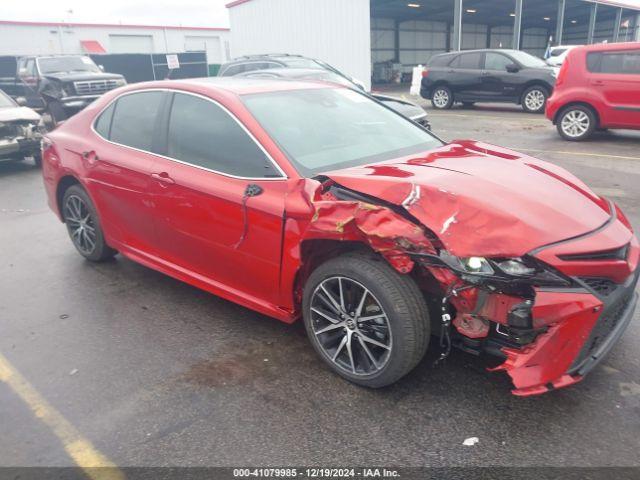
(92, 46)
(474, 200)
(614, 97)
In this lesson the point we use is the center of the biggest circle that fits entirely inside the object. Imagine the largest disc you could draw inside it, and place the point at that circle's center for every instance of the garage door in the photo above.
(130, 44)
(211, 45)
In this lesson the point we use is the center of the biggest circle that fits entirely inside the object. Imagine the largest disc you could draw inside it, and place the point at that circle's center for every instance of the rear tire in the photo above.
(442, 98)
(375, 329)
(534, 99)
(83, 225)
(576, 123)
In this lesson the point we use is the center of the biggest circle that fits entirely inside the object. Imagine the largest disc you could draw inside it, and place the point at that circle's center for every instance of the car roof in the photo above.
(235, 85)
(604, 47)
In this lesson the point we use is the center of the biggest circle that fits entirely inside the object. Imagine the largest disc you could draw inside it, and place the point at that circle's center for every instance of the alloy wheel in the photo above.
(575, 123)
(80, 224)
(350, 326)
(534, 100)
(440, 98)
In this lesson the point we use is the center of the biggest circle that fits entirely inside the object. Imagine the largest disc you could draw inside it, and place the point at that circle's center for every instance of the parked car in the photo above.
(60, 85)
(309, 199)
(474, 76)
(403, 107)
(20, 131)
(557, 54)
(276, 65)
(598, 88)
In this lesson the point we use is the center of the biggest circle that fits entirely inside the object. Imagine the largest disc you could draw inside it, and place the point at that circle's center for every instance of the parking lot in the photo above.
(153, 372)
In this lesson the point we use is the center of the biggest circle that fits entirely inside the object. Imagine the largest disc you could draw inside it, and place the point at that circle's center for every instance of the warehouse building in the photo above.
(381, 38)
(44, 38)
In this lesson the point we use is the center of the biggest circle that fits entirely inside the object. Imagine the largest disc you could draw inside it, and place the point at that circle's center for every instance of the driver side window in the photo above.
(203, 134)
(496, 61)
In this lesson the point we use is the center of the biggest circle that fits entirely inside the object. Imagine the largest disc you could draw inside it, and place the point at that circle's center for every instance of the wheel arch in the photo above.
(314, 252)
(535, 83)
(63, 185)
(574, 104)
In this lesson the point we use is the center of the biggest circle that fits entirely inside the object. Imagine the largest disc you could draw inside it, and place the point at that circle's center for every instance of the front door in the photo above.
(497, 82)
(219, 200)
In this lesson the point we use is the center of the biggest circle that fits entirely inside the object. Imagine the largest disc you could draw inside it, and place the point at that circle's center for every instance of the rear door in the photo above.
(464, 75)
(615, 76)
(119, 166)
(219, 200)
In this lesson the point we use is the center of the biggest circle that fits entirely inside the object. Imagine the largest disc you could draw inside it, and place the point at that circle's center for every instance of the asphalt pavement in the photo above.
(148, 371)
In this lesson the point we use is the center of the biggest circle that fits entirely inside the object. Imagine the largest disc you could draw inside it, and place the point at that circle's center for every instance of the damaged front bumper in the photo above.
(11, 148)
(585, 328)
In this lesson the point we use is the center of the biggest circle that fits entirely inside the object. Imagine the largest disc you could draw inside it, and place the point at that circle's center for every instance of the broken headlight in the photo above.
(504, 270)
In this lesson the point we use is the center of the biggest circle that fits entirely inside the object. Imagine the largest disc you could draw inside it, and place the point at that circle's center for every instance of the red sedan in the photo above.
(301, 199)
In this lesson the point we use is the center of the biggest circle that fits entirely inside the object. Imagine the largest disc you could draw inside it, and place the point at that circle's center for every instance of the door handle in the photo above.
(597, 82)
(163, 177)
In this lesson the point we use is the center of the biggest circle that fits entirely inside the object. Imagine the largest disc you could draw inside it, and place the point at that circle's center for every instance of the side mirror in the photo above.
(513, 68)
(22, 101)
(22, 71)
(101, 67)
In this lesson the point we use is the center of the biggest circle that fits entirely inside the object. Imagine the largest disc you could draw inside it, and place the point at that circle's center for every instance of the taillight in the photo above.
(425, 73)
(563, 72)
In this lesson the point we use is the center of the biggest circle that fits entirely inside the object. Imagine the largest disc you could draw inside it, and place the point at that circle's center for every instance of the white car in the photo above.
(557, 54)
(20, 131)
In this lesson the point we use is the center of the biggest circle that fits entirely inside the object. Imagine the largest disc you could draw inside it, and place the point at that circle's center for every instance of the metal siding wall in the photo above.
(49, 40)
(336, 31)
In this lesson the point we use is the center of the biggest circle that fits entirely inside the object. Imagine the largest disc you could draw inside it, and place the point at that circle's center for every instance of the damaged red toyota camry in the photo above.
(302, 199)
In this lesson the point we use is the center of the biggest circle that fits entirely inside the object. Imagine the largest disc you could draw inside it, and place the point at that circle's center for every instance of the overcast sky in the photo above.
(193, 13)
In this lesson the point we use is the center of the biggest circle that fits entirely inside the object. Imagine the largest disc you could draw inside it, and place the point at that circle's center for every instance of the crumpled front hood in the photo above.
(16, 114)
(483, 200)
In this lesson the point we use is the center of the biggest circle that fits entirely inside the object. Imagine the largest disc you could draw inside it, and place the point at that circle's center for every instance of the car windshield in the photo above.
(66, 64)
(556, 52)
(328, 76)
(5, 101)
(527, 60)
(326, 129)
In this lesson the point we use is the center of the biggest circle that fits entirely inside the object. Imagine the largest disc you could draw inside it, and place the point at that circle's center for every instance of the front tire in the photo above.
(576, 123)
(366, 321)
(534, 99)
(442, 98)
(83, 225)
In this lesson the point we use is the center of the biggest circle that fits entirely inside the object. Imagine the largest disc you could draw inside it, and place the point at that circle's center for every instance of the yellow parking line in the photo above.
(95, 465)
(582, 154)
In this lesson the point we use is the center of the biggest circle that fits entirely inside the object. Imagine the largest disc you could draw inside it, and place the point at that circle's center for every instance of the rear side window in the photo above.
(203, 134)
(614, 62)
(467, 60)
(134, 119)
(103, 124)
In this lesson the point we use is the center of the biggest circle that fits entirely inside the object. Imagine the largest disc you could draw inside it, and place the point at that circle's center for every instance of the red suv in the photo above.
(597, 88)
